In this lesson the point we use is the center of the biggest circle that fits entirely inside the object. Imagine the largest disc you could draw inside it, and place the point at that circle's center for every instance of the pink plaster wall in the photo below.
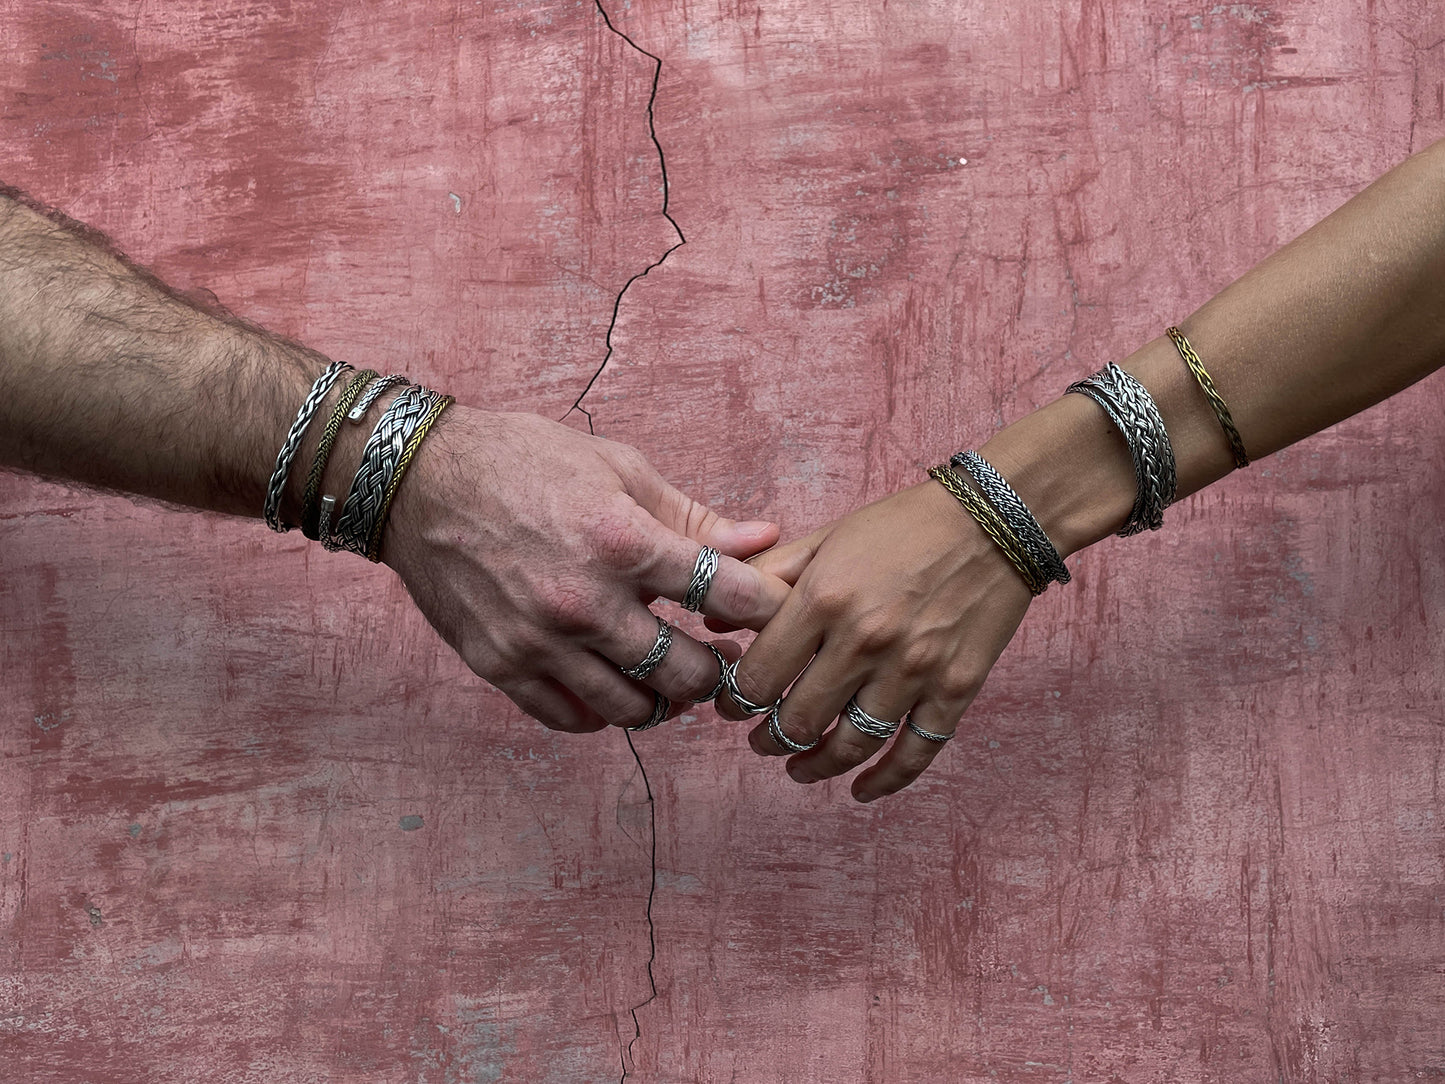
(1191, 831)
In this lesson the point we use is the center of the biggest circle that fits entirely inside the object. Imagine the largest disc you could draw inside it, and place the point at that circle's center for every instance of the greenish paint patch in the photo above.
(411, 822)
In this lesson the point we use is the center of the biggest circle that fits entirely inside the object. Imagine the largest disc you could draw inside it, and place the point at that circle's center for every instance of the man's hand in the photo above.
(535, 550)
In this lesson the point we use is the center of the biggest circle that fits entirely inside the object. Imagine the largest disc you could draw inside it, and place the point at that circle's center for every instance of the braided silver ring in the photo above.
(722, 669)
(775, 730)
(661, 705)
(653, 659)
(926, 735)
(703, 570)
(730, 682)
(871, 725)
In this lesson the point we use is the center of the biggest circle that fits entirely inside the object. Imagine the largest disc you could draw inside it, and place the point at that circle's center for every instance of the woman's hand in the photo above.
(904, 604)
(535, 551)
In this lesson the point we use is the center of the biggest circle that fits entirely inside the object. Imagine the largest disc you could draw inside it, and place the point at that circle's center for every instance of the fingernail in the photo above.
(753, 526)
(865, 798)
(800, 776)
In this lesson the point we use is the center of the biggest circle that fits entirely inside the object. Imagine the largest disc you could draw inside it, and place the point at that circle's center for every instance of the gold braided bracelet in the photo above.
(1226, 420)
(993, 524)
(373, 549)
(311, 501)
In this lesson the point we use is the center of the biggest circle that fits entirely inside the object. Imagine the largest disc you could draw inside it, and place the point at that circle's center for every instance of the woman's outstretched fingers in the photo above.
(913, 750)
(865, 724)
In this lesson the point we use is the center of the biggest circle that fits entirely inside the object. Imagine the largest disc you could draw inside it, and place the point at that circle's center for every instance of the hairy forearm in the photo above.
(109, 378)
(1344, 316)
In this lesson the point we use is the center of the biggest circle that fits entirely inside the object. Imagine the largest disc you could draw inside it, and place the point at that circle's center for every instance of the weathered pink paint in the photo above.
(1191, 830)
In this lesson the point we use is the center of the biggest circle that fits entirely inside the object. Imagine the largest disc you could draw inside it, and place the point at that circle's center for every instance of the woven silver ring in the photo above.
(653, 659)
(703, 570)
(722, 669)
(661, 705)
(775, 730)
(926, 735)
(730, 682)
(871, 725)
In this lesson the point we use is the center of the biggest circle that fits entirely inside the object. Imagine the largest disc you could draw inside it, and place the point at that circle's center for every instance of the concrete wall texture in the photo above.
(258, 824)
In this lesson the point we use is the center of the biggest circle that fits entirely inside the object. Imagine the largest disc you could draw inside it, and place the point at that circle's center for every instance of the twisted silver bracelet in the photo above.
(379, 460)
(1130, 407)
(292, 444)
(1037, 547)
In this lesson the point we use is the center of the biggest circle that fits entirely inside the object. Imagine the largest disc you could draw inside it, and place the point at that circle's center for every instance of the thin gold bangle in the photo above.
(373, 549)
(993, 525)
(311, 500)
(1226, 420)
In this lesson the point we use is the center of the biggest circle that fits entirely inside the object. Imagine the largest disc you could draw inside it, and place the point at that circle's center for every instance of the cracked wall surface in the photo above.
(256, 823)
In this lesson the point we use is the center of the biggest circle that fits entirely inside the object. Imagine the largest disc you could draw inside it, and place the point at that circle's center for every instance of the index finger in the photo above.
(737, 593)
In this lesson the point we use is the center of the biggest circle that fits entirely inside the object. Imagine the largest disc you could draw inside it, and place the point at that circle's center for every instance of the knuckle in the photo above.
(918, 658)
(616, 539)
(827, 597)
(568, 606)
(874, 632)
(959, 685)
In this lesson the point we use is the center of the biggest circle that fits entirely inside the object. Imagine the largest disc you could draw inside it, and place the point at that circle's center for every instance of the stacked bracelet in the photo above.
(993, 524)
(359, 522)
(1216, 401)
(362, 514)
(1048, 566)
(1132, 410)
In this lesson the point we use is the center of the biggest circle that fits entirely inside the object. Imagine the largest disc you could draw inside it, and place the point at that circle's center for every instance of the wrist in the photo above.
(1071, 467)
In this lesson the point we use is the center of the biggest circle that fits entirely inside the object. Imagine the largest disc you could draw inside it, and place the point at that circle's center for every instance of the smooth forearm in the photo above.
(1342, 317)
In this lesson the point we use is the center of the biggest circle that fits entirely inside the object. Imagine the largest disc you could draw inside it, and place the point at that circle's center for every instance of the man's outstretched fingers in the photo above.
(602, 687)
(647, 649)
(911, 752)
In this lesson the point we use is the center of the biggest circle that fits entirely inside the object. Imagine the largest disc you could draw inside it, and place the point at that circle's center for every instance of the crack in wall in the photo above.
(626, 1053)
(666, 192)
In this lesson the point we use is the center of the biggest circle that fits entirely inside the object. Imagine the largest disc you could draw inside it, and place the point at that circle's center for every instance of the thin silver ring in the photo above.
(653, 659)
(926, 735)
(703, 570)
(722, 669)
(661, 705)
(775, 731)
(730, 682)
(871, 725)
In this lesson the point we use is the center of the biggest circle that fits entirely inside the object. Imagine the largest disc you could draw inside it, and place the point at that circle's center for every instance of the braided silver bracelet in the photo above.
(379, 461)
(1130, 407)
(1037, 547)
(292, 444)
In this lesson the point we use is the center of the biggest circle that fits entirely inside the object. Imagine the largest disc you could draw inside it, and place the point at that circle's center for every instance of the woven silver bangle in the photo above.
(379, 460)
(1041, 551)
(1130, 407)
(292, 444)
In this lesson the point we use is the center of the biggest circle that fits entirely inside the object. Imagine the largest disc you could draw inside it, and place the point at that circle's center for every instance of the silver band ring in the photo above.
(661, 705)
(775, 730)
(643, 670)
(722, 669)
(871, 725)
(730, 682)
(926, 735)
(703, 570)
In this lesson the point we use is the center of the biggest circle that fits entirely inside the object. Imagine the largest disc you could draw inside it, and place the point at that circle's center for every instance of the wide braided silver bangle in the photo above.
(379, 459)
(1131, 408)
(292, 444)
(1016, 514)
